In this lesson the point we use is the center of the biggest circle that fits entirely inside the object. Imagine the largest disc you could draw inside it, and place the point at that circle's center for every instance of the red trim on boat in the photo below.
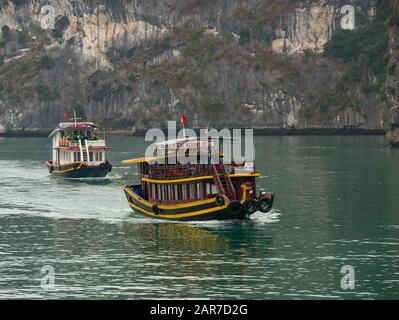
(77, 149)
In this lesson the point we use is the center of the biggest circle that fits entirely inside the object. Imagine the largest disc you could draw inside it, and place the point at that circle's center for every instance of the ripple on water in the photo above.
(100, 249)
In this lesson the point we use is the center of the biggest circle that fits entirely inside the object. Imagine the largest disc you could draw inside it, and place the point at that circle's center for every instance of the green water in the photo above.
(337, 203)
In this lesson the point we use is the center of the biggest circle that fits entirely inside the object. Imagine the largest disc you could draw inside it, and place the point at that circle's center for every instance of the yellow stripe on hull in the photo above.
(172, 206)
(67, 170)
(177, 216)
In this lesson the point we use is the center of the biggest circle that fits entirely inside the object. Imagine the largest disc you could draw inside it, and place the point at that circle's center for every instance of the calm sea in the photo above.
(337, 204)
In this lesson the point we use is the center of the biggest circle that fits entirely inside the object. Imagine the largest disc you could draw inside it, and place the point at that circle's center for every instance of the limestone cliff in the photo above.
(135, 64)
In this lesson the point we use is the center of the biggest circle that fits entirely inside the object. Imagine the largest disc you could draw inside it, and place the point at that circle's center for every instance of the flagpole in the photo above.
(183, 122)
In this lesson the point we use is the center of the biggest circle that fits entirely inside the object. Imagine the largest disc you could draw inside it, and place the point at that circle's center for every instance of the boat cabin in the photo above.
(173, 176)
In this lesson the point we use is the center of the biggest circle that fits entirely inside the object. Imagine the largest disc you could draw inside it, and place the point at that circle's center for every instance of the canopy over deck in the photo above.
(177, 148)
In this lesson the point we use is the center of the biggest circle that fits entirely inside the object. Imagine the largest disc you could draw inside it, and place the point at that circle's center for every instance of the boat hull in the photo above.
(78, 170)
(202, 210)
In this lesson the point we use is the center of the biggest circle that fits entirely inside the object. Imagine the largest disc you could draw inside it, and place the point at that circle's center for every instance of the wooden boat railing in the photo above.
(178, 171)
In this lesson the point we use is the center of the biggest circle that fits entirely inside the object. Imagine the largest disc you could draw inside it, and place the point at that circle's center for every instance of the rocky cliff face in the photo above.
(136, 64)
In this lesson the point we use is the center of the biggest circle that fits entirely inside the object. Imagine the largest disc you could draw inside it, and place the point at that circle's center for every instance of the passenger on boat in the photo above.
(246, 189)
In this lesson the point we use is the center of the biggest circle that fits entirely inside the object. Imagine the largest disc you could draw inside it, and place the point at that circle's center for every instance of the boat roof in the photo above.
(174, 144)
(76, 125)
(177, 155)
(190, 139)
(189, 143)
(73, 126)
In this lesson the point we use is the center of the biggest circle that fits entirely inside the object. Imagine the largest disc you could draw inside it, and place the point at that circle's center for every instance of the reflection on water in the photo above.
(89, 181)
(336, 204)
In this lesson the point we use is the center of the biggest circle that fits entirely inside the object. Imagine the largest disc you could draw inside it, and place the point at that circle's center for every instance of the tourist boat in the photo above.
(177, 190)
(78, 151)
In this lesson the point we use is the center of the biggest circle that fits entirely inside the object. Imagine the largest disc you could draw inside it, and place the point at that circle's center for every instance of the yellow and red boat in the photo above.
(177, 190)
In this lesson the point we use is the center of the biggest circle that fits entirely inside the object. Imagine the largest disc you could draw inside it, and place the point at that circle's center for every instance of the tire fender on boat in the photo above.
(235, 207)
(249, 206)
(265, 204)
(219, 200)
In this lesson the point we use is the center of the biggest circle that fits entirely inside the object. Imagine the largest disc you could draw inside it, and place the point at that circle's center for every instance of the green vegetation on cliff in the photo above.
(365, 50)
(224, 63)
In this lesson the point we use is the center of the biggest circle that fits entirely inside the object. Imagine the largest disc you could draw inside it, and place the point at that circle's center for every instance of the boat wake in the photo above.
(258, 217)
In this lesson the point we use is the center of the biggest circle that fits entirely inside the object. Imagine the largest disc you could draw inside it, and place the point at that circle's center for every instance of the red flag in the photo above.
(66, 115)
(182, 119)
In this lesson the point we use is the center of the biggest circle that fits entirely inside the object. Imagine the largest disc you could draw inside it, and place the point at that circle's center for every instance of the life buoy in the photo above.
(155, 209)
(235, 207)
(265, 205)
(249, 206)
(219, 200)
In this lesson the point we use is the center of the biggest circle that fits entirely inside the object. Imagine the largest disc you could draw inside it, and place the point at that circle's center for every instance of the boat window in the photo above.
(164, 193)
(192, 191)
(100, 156)
(199, 191)
(96, 156)
(170, 192)
(184, 192)
(208, 188)
(159, 195)
(176, 192)
(91, 156)
(179, 192)
(76, 156)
